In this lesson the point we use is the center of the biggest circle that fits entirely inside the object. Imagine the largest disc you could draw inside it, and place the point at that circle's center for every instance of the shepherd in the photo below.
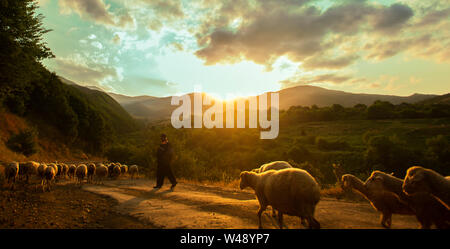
(164, 158)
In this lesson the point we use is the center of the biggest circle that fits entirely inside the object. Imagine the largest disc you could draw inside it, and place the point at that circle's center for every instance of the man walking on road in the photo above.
(164, 157)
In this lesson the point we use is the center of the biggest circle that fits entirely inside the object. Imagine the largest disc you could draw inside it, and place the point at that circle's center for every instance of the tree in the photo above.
(21, 45)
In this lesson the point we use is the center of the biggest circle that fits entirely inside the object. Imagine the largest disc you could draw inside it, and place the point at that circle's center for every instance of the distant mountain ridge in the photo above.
(155, 108)
(159, 108)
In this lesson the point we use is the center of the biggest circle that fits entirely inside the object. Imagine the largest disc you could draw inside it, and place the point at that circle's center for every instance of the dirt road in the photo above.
(207, 207)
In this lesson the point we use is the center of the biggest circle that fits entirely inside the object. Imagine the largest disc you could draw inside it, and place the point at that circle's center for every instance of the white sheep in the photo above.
(116, 171)
(123, 169)
(419, 179)
(290, 191)
(276, 165)
(101, 172)
(81, 172)
(65, 170)
(50, 174)
(28, 169)
(12, 172)
(134, 171)
(41, 172)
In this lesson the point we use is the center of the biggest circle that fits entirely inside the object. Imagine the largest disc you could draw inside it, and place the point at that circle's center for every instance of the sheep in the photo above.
(101, 172)
(427, 208)
(50, 174)
(32, 169)
(71, 171)
(12, 172)
(290, 191)
(54, 166)
(110, 170)
(65, 170)
(276, 165)
(116, 171)
(420, 179)
(123, 169)
(60, 169)
(386, 202)
(90, 172)
(133, 171)
(41, 172)
(81, 172)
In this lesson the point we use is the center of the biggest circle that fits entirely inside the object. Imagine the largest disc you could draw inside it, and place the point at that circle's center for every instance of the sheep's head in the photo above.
(243, 183)
(375, 181)
(255, 170)
(346, 181)
(416, 180)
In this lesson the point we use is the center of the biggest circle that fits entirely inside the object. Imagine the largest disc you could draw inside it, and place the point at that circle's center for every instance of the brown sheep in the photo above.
(428, 209)
(90, 172)
(419, 179)
(386, 202)
(80, 173)
(71, 171)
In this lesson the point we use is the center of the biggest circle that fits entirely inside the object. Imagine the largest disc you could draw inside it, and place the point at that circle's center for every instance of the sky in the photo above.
(247, 47)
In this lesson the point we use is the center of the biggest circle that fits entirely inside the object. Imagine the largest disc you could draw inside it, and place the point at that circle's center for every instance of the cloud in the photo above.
(295, 30)
(330, 63)
(391, 19)
(86, 73)
(330, 78)
(97, 11)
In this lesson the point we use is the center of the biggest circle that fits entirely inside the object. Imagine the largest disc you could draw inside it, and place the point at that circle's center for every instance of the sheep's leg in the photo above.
(385, 217)
(280, 219)
(260, 211)
(303, 221)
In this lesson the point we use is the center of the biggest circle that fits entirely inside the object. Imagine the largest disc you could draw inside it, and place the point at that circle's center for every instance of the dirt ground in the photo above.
(127, 203)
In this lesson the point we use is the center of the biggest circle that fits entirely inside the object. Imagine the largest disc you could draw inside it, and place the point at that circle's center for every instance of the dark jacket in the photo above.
(164, 154)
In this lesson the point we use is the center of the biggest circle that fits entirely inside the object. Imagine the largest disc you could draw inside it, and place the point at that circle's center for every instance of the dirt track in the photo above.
(196, 206)
(129, 203)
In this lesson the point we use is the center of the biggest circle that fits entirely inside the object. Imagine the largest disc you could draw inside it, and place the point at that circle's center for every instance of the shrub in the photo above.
(323, 144)
(24, 142)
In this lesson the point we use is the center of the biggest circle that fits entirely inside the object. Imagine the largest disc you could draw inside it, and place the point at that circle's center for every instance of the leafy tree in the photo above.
(21, 45)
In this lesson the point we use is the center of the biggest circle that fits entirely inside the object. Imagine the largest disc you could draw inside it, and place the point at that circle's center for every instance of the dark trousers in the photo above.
(161, 172)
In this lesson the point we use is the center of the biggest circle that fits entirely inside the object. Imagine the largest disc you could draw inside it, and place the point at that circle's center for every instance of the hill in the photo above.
(155, 108)
(110, 109)
(443, 99)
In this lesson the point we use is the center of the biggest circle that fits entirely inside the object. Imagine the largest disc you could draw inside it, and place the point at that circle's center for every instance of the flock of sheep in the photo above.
(423, 193)
(48, 173)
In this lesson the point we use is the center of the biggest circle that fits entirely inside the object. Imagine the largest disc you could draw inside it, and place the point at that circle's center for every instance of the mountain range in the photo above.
(153, 108)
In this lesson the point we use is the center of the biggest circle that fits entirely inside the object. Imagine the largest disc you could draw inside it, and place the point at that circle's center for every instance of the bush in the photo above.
(24, 142)
(323, 144)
